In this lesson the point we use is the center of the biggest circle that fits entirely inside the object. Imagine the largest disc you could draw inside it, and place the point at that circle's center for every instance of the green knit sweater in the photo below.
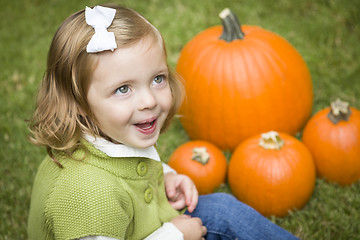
(123, 198)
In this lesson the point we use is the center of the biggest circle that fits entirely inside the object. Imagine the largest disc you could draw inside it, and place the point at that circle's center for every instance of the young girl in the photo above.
(106, 96)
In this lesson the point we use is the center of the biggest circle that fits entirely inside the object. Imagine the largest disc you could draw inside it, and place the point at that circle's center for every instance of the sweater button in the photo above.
(142, 169)
(148, 195)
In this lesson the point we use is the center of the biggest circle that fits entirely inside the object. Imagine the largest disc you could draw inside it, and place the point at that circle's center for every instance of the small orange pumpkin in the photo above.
(203, 162)
(241, 81)
(273, 173)
(333, 137)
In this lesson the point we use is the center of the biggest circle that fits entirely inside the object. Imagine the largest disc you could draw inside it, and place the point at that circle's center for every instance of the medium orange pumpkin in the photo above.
(273, 173)
(203, 162)
(333, 137)
(242, 81)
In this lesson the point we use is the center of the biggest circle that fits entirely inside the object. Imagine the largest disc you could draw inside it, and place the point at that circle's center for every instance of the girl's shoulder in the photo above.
(76, 177)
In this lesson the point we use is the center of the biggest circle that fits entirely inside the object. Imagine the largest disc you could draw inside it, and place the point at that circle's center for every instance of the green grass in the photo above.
(325, 32)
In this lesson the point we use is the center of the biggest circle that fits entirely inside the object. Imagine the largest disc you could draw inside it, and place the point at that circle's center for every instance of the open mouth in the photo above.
(147, 127)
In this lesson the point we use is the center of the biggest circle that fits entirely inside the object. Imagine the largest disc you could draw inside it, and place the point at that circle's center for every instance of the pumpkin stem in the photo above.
(271, 140)
(201, 155)
(231, 26)
(340, 111)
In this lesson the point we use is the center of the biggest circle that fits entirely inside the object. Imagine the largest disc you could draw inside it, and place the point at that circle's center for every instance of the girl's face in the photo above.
(130, 95)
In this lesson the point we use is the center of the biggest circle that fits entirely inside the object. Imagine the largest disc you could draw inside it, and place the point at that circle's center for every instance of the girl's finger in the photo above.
(180, 204)
(193, 200)
(188, 189)
(204, 230)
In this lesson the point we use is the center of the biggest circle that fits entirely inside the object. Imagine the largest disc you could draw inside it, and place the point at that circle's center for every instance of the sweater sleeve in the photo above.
(97, 238)
(167, 168)
(95, 207)
(167, 232)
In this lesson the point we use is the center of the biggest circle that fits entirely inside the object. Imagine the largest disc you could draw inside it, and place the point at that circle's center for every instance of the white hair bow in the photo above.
(100, 18)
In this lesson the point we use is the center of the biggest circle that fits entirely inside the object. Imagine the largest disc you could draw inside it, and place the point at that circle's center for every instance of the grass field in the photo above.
(325, 32)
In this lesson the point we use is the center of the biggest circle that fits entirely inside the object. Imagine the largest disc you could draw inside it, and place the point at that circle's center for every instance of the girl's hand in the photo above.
(181, 191)
(191, 228)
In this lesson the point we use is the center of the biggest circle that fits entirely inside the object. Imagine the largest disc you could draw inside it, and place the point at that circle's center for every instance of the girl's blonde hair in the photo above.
(62, 113)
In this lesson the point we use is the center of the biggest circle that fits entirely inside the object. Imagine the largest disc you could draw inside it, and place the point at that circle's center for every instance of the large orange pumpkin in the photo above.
(203, 162)
(333, 137)
(242, 81)
(273, 173)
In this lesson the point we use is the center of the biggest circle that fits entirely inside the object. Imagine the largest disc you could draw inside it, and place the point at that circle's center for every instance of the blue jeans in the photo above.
(227, 218)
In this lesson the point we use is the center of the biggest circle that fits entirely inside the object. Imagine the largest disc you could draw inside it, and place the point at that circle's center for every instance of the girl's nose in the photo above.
(147, 100)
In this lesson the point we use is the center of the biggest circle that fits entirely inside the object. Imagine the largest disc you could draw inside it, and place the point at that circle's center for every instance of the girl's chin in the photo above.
(139, 140)
(146, 144)
(141, 143)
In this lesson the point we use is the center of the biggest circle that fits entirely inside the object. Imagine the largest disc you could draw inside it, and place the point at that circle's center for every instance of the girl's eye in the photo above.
(122, 90)
(159, 79)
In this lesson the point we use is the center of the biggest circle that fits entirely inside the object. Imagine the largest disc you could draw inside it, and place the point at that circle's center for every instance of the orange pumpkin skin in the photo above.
(237, 89)
(335, 147)
(206, 177)
(272, 181)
